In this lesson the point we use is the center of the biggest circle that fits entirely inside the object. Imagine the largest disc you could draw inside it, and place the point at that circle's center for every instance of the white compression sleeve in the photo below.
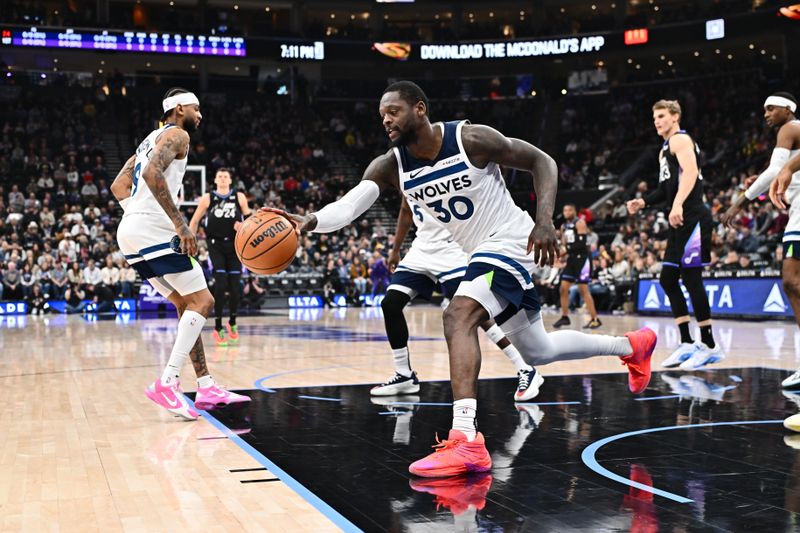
(779, 158)
(349, 207)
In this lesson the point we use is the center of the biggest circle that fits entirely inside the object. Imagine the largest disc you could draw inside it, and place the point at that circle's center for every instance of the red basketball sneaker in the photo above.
(643, 341)
(454, 456)
(458, 494)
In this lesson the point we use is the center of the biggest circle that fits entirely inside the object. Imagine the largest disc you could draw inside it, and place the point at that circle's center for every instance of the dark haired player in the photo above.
(579, 267)
(452, 172)
(226, 209)
(147, 188)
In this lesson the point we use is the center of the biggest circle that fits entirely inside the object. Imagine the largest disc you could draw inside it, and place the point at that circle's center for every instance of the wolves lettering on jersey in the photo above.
(142, 200)
(471, 203)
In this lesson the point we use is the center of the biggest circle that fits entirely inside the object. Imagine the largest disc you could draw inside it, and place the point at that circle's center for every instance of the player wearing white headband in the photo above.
(779, 112)
(159, 245)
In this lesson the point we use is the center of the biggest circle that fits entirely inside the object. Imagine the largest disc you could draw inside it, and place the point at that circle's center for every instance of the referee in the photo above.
(226, 209)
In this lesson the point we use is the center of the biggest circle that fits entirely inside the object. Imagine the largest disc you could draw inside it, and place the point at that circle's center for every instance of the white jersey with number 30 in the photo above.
(142, 200)
(471, 203)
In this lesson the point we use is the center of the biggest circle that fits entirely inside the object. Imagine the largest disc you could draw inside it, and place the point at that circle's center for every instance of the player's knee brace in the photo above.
(670, 282)
(526, 332)
(396, 328)
(693, 280)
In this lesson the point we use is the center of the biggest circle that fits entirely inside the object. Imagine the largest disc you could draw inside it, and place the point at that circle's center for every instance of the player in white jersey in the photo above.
(434, 259)
(779, 113)
(148, 235)
(466, 193)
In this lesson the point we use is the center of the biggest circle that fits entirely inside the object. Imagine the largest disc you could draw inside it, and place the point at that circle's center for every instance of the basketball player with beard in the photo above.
(147, 189)
(451, 170)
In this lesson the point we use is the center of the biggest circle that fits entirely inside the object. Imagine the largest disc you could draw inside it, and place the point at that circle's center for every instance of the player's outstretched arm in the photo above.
(484, 144)
(173, 143)
(762, 183)
(381, 173)
(123, 183)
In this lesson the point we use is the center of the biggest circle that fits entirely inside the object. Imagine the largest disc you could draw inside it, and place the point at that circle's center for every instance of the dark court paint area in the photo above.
(354, 454)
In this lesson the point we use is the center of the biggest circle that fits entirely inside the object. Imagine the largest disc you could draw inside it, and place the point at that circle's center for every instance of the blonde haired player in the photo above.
(147, 188)
(680, 187)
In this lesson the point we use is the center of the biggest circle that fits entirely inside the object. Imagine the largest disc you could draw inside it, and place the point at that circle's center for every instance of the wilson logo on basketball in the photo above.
(270, 232)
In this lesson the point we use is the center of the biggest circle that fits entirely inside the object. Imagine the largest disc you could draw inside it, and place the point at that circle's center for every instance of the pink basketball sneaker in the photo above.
(170, 398)
(215, 396)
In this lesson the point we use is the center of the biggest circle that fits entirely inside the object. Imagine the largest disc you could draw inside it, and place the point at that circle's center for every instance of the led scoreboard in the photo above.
(125, 41)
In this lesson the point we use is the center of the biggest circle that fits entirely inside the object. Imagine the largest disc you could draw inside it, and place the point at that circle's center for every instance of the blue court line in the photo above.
(322, 398)
(547, 403)
(259, 382)
(588, 455)
(387, 413)
(329, 512)
(419, 403)
(657, 398)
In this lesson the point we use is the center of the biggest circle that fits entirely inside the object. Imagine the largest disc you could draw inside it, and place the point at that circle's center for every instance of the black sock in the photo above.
(218, 324)
(232, 320)
(686, 337)
(707, 337)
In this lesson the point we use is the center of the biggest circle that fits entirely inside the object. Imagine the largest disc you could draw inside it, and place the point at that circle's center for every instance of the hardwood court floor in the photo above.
(84, 450)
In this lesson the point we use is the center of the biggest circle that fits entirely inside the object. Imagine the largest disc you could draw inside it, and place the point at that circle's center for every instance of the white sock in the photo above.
(496, 334)
(205, 382)
(516, 358)
(189, 328)
(402, 365)
(464, 412)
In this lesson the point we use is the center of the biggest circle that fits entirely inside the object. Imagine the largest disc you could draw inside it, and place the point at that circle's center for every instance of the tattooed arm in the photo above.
(123, 183)
(171, 145)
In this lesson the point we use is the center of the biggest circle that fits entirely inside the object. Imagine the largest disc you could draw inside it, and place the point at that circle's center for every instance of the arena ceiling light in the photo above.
(715, 29)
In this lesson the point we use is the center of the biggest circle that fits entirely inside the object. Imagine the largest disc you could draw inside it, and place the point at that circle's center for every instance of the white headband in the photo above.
(179, 99)
(780, 101)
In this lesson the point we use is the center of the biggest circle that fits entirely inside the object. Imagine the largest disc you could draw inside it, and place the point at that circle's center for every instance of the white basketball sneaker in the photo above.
(793, 423)
(528, 384)
(791, 381)
(683, 352)
(703, 356)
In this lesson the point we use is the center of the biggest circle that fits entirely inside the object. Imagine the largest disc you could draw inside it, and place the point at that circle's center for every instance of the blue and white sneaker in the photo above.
(791, 381)
(399, 384)
(792, 423)
(528, 384)
(703, 356)
(683, 352)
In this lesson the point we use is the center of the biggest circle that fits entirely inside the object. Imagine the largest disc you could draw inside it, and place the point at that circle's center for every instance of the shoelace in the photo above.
(442, 445)
(524, 380)
(397, 378)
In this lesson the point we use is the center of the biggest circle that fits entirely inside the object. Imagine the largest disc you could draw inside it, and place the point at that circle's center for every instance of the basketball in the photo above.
(266, 243)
